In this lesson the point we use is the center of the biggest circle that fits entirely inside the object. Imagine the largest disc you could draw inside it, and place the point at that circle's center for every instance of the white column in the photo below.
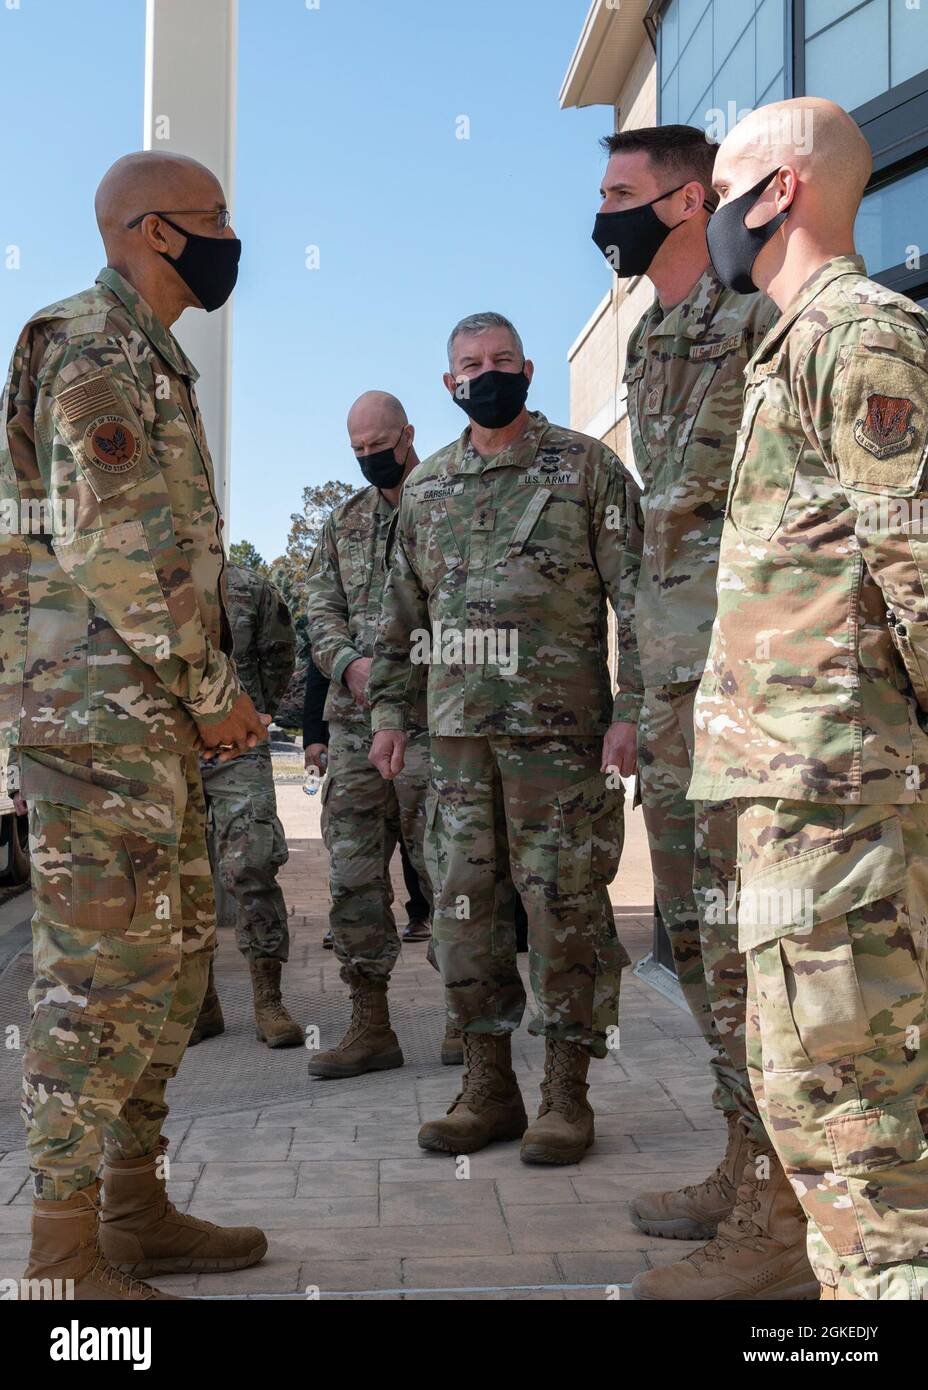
(190, 95)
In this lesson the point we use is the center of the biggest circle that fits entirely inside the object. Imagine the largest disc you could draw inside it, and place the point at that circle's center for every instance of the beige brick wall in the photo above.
(597, 357)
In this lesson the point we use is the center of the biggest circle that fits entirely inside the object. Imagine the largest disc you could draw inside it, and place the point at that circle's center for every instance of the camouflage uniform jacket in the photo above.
(112, 627)
(523, 547)
(685, 379)
(264, 636)
(816, 686)
(344, 595)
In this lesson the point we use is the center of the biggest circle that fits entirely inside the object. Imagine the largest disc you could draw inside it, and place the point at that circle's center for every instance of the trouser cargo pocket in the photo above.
(590, 834)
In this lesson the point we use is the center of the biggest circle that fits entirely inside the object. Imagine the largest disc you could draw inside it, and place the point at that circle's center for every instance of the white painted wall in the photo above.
(190, 99)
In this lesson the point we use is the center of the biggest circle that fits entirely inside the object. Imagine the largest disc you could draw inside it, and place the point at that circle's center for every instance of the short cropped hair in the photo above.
(481, 323)
(684, 151)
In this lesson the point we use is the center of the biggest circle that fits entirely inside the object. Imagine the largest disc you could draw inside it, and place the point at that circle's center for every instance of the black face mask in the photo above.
(630, 240)
(381, 468)
(734, 247)
(493, 399)
(208, 265)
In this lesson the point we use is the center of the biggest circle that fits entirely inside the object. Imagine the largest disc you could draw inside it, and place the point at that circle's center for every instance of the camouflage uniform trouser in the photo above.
(363, 816)
(247, 846)
(693, 846)
(123, 932)
(537, 813)
(834, 916)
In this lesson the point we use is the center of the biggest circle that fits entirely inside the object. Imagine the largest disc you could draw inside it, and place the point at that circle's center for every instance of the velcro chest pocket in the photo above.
(767, 453)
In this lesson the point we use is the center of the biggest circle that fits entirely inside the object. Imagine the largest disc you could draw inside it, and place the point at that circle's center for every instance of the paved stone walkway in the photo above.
(350, 1203)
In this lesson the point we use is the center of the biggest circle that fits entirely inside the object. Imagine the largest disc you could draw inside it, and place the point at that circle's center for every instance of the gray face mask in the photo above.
(734, 247)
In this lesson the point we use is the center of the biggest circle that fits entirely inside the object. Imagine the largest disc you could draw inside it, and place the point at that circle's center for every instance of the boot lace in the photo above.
(559, 1087)
(477, 1083)
(740, 1228)
(361, 1013)
(112, 1278)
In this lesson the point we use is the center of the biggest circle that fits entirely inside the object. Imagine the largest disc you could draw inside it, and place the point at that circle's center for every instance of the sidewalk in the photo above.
(332, 1171)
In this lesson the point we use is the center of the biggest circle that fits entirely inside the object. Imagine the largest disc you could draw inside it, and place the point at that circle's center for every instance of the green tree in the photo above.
(306, 526)
(290, 572)
(245, 554)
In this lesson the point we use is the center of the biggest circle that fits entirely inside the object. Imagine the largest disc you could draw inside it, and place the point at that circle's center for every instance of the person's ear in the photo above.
(785, 188)
(529, 369)
(159, 236)
(412, 436)
(450, 383)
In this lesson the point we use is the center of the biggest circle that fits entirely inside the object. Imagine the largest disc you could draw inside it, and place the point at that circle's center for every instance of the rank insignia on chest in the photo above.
(654, 401)
(112, 445)
(886, 430)
(439, 493)
(552, 479)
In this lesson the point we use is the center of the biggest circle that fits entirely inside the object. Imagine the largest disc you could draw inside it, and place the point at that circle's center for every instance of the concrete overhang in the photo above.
(607, 48)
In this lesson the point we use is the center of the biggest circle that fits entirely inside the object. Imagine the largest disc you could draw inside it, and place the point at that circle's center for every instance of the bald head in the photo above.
(815, 138)
(376, 411)
(801, 167)
(151, 181)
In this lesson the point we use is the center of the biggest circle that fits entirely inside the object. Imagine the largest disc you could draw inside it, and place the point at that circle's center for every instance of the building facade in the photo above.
(705, 62)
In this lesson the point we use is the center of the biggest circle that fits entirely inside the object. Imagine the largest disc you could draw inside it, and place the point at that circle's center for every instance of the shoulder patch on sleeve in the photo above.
(881, 430)
(112, 444)
(91, 394)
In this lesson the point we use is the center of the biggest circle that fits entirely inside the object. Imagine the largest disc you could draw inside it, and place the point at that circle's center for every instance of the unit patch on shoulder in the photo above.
(886, 430)
(84, 397)
(112, 444)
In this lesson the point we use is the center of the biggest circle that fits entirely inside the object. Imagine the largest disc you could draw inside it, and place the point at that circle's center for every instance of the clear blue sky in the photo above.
(346, 139)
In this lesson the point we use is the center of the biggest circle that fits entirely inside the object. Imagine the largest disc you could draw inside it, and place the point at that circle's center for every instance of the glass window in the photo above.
(695, 69)
(735, 80)
(908, 40)
(849, 60)
(768, 39)
(858, 49)
(719, 57)
(892, 225)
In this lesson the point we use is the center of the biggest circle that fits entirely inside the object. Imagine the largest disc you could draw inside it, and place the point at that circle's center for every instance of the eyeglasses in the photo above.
(222, 215)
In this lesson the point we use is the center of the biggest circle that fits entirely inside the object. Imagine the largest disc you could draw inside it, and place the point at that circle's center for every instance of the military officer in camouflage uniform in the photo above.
(812, 710)
(508, 544)
(362, 816)
(684, 376)
(246, 840)
(114, 666)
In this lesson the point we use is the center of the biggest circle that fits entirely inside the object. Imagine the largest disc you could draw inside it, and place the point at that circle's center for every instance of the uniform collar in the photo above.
(520, 453)
(688, 321)
(693, 315)
(815, 285)
(161, 339)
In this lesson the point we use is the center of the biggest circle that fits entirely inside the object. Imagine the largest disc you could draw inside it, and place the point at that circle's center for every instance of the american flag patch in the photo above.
(86, 398)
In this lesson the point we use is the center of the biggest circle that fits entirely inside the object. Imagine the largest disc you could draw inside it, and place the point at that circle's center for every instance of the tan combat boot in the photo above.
(142, 1231)
(758, 1252)
(66, 1261)
(563, 1131)
(693, 1213)
(452, 1047)
(489, 1105)
(210, 1022)
(370, 1044)
(274, 1025)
